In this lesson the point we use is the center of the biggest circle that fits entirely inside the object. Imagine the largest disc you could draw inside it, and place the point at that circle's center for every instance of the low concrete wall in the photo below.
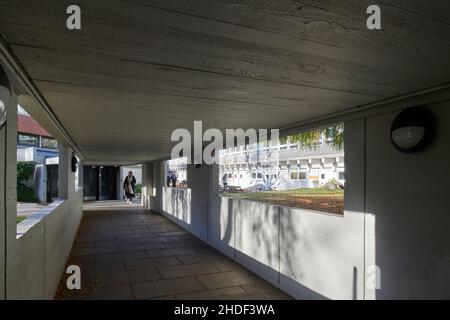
(308, 254)
(176, 205)
(38, 255)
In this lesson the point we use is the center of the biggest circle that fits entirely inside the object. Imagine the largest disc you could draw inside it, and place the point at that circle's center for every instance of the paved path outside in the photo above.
(27, 209)
(127, 253)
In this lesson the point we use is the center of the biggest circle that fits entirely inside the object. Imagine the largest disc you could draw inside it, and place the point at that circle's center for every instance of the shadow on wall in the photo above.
(177, 206)
(308, 254)
(304, 253)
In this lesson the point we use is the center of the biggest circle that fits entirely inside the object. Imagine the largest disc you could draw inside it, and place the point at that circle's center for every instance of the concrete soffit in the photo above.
(39, 108)
(30, 96)
(421, 97)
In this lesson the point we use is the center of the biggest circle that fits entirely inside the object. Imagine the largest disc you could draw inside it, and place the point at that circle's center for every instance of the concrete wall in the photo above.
(407, 196)
(396, 218)
(38, 256)
(308, 254)
(38, 248)
(176, 204)
(33, 253)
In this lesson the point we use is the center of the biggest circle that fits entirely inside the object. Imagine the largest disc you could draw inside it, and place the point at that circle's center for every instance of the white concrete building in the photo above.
(295, 168)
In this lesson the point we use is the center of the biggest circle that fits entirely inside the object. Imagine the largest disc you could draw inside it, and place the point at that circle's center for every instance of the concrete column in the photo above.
(159, 183)
(198, 181)
(80, 174)
(213, 196)
(144, 191)
(66, 178)
(8, 134)
(147, 184)
(11, 174)
(41, 183)
(355, 197)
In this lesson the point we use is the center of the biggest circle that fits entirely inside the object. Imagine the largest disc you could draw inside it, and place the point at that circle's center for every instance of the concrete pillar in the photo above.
(66, 178)
(198, 181)
(213, 196)
(159, 183)
(11, 173)
(144, 191)
(6, 101)
(41, 183)
(355, 196)
(147, 184)
(8, 174)
(80, 174)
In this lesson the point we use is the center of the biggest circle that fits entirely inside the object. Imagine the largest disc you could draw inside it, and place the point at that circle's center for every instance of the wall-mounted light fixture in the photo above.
(412, 129)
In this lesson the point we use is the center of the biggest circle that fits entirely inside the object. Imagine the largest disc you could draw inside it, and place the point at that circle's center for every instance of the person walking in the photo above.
(174, 180)
(225, 181)
(128, 185)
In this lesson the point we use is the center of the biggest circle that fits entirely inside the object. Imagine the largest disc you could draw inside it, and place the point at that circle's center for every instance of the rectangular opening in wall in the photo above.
(175, 173)
(310, 173)
(37, 166)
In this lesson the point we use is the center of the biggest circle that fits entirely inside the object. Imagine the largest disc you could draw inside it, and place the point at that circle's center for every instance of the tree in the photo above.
(333, 135)
(270, 177)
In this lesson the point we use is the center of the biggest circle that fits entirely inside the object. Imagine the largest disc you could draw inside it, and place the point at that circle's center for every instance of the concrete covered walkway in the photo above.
(127, 253)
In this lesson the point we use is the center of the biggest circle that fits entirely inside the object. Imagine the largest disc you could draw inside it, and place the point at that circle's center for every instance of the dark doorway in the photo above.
(52, 182)
(107, 179)
(100, 183)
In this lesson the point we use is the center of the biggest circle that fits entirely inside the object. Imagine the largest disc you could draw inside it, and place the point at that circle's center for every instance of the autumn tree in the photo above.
(310, 140)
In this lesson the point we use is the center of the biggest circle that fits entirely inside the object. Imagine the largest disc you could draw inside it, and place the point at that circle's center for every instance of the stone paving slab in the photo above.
(123, 256)
(152, 262)
(229, 293)
(136, 254)
(169, 252)
(129, 276)
(187, 270)
(160, 288)
(228, 279)
(123, 292)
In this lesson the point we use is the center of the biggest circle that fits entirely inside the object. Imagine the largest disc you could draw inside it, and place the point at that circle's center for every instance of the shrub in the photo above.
(332, 185)
(25, 191)
(138, 188)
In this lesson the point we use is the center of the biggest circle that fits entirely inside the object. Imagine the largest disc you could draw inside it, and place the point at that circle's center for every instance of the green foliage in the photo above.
(310, 139)
(25, 171)
(20, 219)
(138, 188)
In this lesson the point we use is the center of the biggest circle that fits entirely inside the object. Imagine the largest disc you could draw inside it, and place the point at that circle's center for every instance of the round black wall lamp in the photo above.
(74, 163)
(412, 129)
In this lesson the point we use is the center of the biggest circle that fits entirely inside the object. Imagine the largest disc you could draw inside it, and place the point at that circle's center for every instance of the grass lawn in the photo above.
(19, 219)
(308, 198)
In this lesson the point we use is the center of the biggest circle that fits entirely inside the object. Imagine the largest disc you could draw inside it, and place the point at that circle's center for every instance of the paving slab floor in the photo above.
(125, 252)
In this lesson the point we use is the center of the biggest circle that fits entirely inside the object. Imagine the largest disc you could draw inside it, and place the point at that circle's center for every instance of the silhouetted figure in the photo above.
(225, 181)
(128, 185)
